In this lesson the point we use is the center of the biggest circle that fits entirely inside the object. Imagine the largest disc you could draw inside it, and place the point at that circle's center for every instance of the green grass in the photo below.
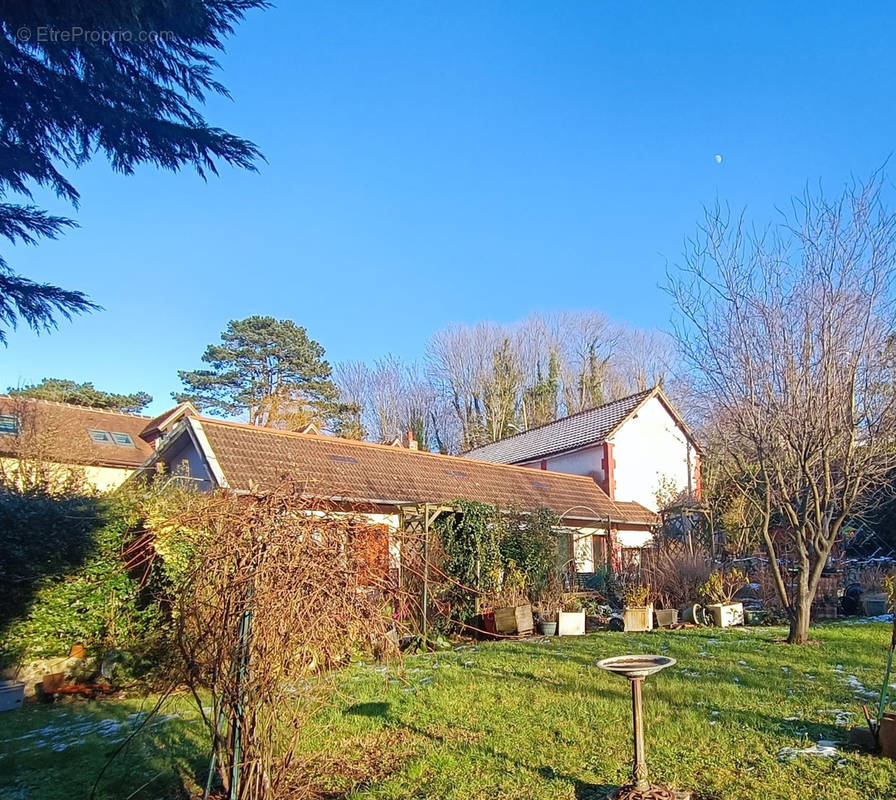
(529, 719)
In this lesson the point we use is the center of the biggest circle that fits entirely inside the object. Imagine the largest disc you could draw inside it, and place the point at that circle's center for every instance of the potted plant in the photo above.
(547, 623)
(720, 589)
(637, 614)
(571, 619)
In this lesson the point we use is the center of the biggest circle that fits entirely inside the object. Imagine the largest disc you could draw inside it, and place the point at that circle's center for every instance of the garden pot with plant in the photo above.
(637, 614)
(719, 590)
(571, 619)
(547, 621)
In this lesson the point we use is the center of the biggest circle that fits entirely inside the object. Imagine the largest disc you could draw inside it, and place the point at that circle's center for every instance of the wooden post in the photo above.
(425, 572)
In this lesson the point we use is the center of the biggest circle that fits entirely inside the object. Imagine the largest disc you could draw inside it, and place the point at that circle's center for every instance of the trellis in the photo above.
(416, 523)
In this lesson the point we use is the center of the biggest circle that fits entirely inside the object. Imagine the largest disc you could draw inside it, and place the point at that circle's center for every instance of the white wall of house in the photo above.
(647, 449)
(633, 538)
(587, 461)
(102, 479)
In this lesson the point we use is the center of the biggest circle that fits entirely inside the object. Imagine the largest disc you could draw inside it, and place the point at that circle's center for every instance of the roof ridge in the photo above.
(642, 393)
(26, 399)
(391, 449)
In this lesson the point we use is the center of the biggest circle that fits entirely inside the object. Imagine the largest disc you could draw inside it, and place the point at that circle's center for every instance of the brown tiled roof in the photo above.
(635, 512)
(252, 458)
(57, 432)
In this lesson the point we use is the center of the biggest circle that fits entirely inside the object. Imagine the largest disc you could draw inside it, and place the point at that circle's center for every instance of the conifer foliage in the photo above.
(122, 78)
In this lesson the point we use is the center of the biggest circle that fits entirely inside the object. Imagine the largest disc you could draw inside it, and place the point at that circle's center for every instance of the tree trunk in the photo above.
(801, 614)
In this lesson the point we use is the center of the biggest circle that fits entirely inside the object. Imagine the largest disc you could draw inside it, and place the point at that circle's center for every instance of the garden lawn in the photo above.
(533, 719)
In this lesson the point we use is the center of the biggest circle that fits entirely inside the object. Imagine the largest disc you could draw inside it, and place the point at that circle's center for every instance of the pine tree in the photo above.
(118, 77)
(61, 390)
(269, 370)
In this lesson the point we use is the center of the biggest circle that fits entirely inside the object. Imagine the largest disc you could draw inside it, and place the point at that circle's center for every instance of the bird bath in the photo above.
(636, 668)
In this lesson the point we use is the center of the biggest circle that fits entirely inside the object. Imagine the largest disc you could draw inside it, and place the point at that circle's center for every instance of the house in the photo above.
(637, 449)
(54, 442)
(382, 480)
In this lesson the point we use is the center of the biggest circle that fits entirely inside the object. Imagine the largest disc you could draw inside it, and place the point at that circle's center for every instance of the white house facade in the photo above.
(637, 449)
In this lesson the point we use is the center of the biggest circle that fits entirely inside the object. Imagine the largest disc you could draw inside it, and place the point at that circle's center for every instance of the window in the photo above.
(100, 437)
(111, 437)
(9, 424)
(344, 459)
(456, 473)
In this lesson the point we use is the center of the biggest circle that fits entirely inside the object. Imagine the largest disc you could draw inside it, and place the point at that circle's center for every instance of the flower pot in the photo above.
(517, 619)
(754, 617)
(874, 604)
(571, 623)
(547, 628)
(887, 735)
(666, 617)
(12, 695)
(693, 614)
(726, 615)
(638, 618)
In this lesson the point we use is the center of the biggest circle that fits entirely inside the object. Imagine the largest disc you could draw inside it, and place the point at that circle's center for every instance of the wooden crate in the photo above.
(516, 620)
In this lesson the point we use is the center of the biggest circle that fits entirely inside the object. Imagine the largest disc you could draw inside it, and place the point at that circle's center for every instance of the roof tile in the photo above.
(57, 432)
(591, 426)
(253, 458)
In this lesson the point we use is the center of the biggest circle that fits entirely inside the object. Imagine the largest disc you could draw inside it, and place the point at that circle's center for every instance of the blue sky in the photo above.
(435, 163)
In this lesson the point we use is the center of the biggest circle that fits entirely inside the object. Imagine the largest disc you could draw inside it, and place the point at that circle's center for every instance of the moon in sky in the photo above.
(718, 159)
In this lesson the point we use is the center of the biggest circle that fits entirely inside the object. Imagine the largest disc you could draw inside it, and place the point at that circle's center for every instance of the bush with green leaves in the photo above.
(530, 543)
(65, 578)
(498, 555)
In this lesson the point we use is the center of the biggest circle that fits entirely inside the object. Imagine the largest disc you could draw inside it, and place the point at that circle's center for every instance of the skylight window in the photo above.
(111, 437)
(540, 485)
(344, 459)
(9, 424)
(456, 473)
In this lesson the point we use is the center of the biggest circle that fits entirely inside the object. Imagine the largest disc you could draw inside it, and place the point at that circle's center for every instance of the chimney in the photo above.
(412, 441)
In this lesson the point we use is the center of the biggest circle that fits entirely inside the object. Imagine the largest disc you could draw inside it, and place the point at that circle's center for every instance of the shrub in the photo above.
(636, 595)
(530, 546)
(63, 578)
(675, 575)
(721, 586)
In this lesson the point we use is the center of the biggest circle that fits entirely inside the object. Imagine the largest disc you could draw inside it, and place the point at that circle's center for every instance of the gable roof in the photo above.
(247, 458)
(58, 433)
(591, 426)
(158, 425)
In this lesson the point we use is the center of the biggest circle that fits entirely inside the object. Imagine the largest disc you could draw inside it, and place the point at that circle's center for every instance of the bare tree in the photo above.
(394, 398)
(461, 363)
(587, 342)
(789, 335)
(644, 359)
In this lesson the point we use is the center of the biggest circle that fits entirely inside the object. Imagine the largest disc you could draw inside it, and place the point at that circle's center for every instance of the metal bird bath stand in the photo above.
(636, 669)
